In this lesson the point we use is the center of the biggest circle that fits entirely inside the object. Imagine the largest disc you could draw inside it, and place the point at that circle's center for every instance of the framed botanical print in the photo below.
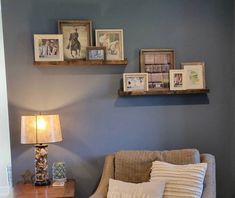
(112, 39)
(157, 63)
(194, 75)
(77, 35)
(48, 47)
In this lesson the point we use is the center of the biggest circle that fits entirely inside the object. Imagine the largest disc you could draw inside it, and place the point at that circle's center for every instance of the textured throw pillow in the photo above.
(119, 189)
(181, 180)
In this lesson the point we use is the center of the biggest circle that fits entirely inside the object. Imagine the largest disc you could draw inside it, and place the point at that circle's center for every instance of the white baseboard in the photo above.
(5, 192)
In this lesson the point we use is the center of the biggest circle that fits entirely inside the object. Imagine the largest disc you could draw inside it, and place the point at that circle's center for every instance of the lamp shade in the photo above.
(40, 129)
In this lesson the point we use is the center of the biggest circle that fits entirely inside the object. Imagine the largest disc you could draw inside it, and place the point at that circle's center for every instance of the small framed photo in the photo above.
(157, 63)
(177, 79)
(48, 47)
(135, 82)
(112, 39)
(77, 35)
(96, 53)
(194, 75)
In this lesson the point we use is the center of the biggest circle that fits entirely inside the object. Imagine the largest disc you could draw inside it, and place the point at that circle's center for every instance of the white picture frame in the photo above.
(48, 47)
(194, 75)
(135, 82)
(112, 39)
(177, 79)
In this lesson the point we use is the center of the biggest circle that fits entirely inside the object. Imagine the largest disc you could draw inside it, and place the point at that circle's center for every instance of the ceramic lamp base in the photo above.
(41, 166)
(42, 183)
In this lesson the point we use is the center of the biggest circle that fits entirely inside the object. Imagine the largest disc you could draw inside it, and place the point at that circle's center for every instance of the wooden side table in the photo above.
(31, 191)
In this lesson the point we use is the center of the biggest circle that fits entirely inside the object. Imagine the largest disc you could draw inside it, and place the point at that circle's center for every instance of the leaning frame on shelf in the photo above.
(157, 63)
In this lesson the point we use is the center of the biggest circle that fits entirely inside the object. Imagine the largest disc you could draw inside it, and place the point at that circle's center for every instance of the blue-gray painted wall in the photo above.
(95, 121)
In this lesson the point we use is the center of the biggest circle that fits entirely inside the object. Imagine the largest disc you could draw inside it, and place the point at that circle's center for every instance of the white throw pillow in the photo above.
(119, 189)
(181, 180)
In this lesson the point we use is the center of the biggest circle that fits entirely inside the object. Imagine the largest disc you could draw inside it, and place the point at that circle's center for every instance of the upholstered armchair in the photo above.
(135, 166)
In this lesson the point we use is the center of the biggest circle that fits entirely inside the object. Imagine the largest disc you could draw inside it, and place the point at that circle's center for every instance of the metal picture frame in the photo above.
(96, 53)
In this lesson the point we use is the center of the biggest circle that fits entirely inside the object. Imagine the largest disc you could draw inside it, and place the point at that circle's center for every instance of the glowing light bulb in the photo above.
(41, 124)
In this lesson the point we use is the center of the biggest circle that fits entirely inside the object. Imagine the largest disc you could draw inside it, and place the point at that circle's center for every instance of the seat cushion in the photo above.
(135, 166)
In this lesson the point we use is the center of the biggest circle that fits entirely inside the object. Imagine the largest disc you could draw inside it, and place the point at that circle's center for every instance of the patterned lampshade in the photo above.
(40, 129)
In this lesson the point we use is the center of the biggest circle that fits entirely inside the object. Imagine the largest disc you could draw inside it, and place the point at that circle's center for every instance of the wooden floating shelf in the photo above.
(163, 92)
(81, 62)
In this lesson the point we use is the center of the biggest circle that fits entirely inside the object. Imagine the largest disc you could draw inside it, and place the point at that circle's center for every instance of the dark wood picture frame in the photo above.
(77, 35)
(157, 63)
(97, 55)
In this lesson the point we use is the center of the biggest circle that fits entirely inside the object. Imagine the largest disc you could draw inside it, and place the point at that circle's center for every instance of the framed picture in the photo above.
(96, 53)
(177, 79)
(194, 75)
(135, 82)
(112, 39)
(157, 63)
(77, 35)
(48, 47)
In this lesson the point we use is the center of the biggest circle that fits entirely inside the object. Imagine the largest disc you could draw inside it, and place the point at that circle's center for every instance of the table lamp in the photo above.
(40, 130)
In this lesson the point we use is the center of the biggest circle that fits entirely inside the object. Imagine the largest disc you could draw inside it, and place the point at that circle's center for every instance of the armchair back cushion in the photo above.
(135, 166)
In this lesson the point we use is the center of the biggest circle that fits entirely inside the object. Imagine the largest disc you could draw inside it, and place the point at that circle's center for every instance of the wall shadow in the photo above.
(162, 100)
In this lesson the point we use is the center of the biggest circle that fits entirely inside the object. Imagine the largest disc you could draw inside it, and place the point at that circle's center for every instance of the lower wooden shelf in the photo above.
(163, 92)
(81, 62)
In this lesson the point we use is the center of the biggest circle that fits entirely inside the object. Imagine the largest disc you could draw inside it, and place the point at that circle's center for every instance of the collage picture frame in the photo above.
(157, 63)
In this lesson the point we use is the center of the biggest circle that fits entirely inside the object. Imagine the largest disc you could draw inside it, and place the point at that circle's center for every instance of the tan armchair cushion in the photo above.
(135, 166)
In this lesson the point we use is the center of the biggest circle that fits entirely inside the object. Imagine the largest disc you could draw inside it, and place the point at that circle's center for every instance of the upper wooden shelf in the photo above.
(81, 62)
(163, 92)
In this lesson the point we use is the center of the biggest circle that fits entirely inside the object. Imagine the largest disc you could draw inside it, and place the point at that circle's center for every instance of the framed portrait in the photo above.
(112, 39)
(96, 53)
(177, 79)
(157, 63)
(135, 82)
(48, 47)
(77, 35)
(194, 75)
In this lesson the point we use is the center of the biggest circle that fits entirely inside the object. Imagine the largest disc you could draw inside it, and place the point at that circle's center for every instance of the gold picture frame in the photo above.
(77, 36)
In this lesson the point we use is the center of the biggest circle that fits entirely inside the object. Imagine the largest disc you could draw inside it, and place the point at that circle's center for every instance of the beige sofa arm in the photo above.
(209, 190)
(108, 172)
